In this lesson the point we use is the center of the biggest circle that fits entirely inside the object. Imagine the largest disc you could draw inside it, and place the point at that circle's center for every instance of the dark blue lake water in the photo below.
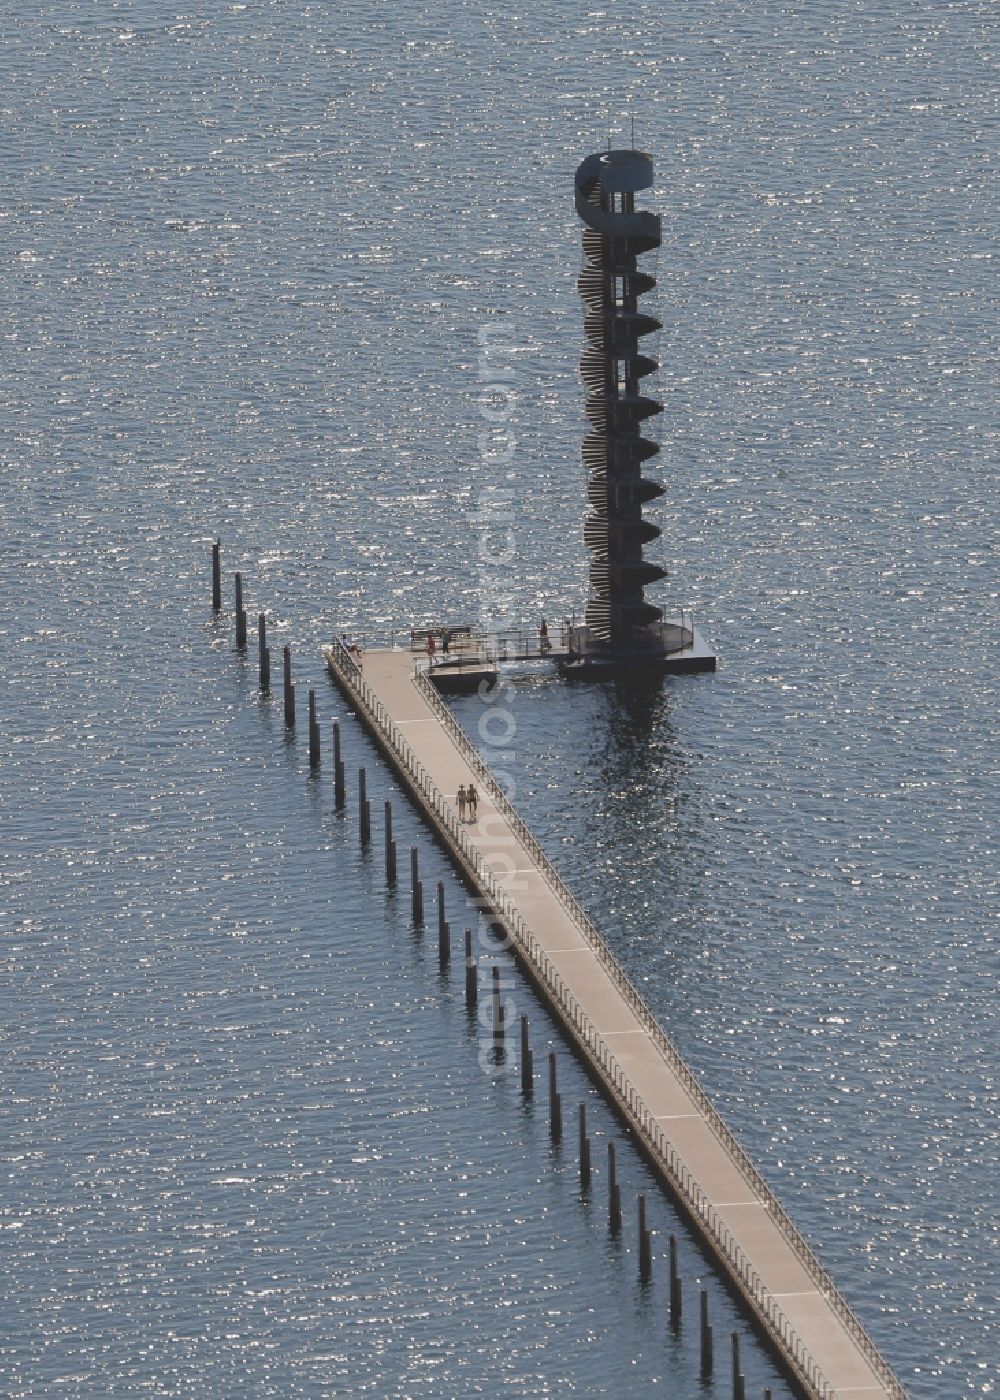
(248, 252)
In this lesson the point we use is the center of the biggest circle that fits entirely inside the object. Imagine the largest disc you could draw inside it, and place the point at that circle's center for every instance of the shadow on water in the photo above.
(639, 765)
(637, 835)
(640, 705)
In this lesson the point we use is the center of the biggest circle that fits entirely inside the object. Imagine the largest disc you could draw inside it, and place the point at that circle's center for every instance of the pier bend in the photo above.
(818, 1340)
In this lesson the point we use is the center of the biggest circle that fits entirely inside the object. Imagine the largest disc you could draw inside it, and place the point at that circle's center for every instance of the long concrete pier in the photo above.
(822, 1344)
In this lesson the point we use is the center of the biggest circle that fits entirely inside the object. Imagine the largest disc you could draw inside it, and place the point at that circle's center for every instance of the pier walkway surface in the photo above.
(796, 1304)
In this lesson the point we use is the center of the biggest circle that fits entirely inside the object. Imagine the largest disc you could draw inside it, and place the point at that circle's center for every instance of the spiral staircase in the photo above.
(618, 619)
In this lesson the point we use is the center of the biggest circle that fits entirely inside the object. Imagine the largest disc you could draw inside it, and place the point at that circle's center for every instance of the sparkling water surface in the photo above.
(248, 252)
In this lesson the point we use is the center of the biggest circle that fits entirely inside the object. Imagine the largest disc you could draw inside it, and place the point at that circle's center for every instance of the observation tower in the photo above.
(621, 629)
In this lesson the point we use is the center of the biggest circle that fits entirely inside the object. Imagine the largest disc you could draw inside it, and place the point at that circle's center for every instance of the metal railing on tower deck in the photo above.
(468, 643)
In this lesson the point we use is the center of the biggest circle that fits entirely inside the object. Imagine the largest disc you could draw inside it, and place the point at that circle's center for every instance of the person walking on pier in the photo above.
(460, 797)
(430, 648)
(472, 798)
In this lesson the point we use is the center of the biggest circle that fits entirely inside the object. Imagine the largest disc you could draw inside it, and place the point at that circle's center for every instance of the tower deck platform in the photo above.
(470, 656)
(813, 1331)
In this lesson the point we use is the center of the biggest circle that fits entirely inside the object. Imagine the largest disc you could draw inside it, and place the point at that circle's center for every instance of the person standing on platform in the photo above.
(472, 798)
(430, 648)
(461, 804)
(543, 637)
(569, 643)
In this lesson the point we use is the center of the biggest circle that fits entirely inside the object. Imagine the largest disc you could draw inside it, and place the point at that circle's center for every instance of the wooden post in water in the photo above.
(339, 783)
(706, 1338)
(471, 984)
(675, 1287)
(390, 846)
(584, 1150)
(416, 889)
(241, 614)
(289, 697)
(263, 653)
(444, 946)
(217, 576)
(313, 732)
(739, 1392)
(364, 809)
(614, 1193)
(498, 1026)
(555, 1106)
(645, 1250)
(527, 1064)
(440, 905)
